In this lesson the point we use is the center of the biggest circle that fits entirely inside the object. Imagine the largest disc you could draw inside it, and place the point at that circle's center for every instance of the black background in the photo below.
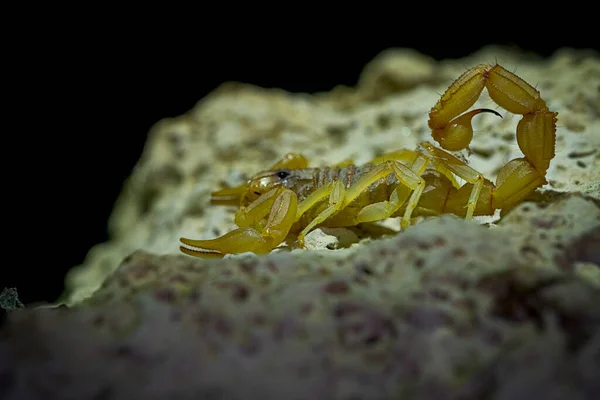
(82, 101)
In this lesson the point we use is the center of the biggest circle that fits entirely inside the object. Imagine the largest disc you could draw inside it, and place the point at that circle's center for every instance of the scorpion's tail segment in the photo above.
(515, 181)
(505, 88)
(536, 132)
(280, 210)
(449, 128)
(453, 131)
(536, 136)
(229, 196)
(459, 132)
(512, 93)
(459, 97)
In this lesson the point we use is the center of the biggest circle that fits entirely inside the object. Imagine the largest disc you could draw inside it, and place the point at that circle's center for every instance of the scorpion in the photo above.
(289, 197)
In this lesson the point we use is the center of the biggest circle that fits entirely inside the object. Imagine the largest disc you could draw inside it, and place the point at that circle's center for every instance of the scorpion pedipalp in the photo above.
(278, 206)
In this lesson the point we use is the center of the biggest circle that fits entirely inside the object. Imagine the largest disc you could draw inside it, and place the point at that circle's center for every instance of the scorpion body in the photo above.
(291, 198)
(305, 181)
(439, 195)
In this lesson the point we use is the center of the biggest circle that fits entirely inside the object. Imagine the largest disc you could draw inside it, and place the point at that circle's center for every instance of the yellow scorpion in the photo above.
(290, 197)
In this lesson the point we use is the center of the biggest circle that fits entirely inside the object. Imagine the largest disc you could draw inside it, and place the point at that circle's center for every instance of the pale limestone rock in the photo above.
(248, 128)
(330, 238)
(396, 70)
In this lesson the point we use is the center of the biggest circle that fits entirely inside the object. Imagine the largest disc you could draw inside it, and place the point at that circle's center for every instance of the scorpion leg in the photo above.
(404, 155)
(417, 160)
(385, 209)
(340, 197)
(445, 162)
(336, 193)
(279, 205)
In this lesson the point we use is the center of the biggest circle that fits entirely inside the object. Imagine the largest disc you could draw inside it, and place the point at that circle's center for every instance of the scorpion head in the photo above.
(256, 186)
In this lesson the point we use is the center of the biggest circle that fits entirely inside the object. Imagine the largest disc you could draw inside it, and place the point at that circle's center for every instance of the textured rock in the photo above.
(445, 308)
(249, 128)
(497, 308)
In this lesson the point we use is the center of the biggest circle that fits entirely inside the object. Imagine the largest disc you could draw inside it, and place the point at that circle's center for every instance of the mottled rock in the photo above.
(330, 239)
(166, 196)
(446, 308)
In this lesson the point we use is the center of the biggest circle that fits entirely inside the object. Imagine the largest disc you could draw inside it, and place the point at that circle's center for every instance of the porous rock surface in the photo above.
(241, 129)
(446, 309)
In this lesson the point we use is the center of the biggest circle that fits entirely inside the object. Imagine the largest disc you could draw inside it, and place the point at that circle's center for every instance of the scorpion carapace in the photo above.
(290, 197)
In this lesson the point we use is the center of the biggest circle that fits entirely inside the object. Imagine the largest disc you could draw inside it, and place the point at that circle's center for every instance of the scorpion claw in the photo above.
(200, 253)
(237, 241)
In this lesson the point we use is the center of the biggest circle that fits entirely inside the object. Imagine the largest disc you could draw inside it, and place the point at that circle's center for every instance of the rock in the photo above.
(446, 307)
(330, 239)
(166, 196)
(396, 70)
(502, 307)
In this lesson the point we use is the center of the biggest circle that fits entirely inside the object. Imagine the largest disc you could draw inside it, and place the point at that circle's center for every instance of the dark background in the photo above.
(80, 109)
